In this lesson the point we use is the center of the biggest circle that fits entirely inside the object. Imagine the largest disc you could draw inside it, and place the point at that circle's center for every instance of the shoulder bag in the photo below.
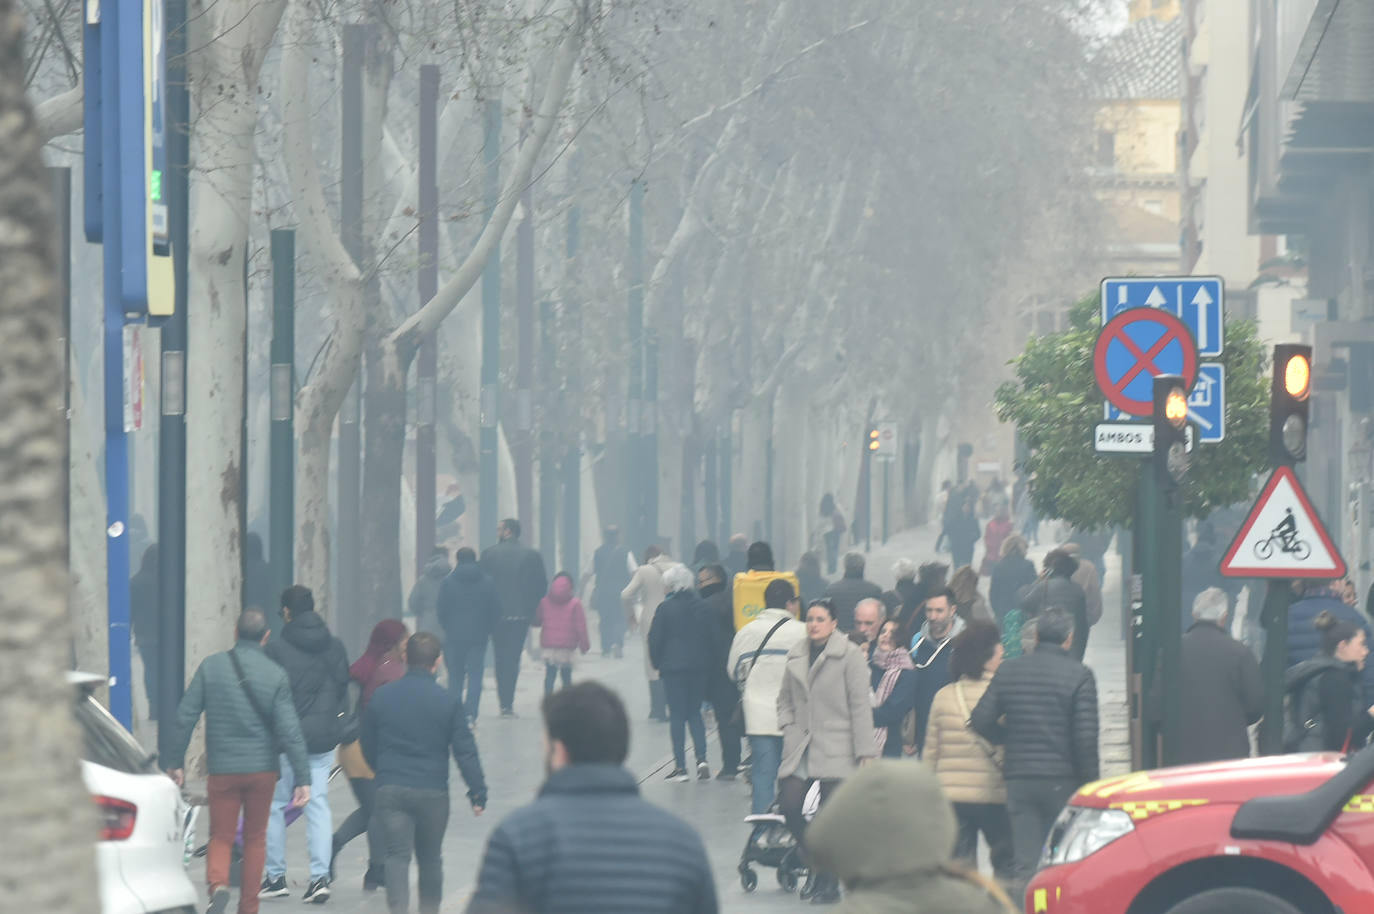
(257, 708)
(737, 718)
(987, 747)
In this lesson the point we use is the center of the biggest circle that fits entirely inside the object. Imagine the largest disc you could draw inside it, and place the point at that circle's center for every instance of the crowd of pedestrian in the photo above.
(819, 681)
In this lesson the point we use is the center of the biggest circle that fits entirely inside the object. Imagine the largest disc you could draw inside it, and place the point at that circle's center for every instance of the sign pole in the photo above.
(887, 464)
(1170, 622)
(1278, 597)
(1146, 653)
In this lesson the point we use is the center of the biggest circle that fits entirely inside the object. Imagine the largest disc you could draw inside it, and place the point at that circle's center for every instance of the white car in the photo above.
(141, 851)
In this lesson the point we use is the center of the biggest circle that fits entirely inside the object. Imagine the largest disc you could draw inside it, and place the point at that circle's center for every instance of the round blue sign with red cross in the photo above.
(1136, 345)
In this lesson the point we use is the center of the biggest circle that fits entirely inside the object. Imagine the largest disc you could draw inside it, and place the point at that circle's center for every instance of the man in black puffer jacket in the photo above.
(1043, 707)
(316, 663)
(521, 582)
(469, 610)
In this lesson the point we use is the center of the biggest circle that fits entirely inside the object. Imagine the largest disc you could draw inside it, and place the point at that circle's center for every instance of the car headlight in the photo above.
(1080, 831)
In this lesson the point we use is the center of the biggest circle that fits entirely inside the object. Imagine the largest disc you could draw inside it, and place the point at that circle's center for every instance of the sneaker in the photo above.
(219, 901)
(373, 879)
(703, 771)
(274, 888)
(727, 774)
(318, 893)
(678, 775)
(507, 712)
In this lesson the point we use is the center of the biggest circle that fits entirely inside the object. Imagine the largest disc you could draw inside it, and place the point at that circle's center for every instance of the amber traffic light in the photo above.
(1290, 394)
(873, 443)
(1171, 430)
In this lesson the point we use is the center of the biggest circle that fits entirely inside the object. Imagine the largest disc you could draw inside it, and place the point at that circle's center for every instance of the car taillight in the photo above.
(117, 818)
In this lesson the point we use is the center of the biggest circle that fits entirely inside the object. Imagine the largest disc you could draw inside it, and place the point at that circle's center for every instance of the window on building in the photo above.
(1106, 149)
(1155, 207)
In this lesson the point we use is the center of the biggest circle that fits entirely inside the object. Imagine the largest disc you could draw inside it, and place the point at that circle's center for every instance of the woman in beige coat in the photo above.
(826, 719)
(646, 588)
(968, 767)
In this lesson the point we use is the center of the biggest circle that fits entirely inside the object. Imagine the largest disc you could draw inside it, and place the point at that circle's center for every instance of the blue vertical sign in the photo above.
(115, 120)
(1198, 301)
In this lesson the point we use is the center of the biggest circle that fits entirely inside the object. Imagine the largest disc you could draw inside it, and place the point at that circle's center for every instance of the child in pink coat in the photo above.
(562, 630)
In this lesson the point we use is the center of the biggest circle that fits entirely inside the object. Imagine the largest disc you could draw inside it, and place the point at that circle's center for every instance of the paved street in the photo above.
(512, 756)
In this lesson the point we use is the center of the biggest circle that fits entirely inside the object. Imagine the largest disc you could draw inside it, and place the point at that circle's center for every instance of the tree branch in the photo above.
(61, 115)
(406, 337)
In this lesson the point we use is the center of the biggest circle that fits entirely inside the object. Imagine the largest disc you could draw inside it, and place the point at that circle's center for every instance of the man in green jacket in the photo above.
(249, 718)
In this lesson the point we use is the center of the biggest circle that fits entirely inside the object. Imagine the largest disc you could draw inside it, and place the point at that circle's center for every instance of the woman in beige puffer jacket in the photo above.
(968, 767)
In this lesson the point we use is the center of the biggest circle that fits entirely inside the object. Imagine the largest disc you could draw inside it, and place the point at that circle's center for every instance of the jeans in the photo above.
(319, 824)
(228, 795)
(509, 642)
(412, 819)
(613, 623)
(1033, 804)
(551, 674)
(685, 692)
(991, 819)
(724, 698)
(466, 662)
(365, 792)
(763, 777)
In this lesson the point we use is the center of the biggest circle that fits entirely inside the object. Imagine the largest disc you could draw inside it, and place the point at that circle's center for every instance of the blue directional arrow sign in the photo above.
(1206, 404)
(1198, 301)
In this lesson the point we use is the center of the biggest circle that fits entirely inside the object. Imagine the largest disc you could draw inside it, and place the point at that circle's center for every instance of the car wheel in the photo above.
(1234, 901)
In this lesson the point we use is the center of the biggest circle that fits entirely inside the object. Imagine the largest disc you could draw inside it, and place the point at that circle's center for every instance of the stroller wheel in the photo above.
(748, 879)
(787, 880)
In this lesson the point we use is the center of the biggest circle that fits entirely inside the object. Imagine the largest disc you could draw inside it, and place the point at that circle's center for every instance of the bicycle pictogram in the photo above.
(1284, 537)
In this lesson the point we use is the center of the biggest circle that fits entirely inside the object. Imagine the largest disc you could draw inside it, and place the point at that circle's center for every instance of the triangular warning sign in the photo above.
(1282, 537)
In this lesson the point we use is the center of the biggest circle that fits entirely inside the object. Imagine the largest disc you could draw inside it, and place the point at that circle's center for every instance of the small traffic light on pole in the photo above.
(1171, 430)
(1289, 402)
(873, 443)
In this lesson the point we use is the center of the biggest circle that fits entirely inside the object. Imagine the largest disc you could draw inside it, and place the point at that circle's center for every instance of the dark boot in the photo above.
(827, 890)
(374, 878)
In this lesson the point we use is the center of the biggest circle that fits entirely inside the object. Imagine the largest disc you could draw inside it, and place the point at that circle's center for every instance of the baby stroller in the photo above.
(771, 844)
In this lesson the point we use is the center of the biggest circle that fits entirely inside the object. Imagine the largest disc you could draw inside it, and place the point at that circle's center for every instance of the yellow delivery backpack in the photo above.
(748, 590)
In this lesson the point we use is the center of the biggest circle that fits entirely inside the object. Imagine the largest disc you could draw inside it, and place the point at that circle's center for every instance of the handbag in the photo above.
(257, 708)
(992, 753)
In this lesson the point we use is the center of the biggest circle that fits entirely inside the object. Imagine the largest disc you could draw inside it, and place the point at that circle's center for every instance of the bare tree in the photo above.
(48, 864)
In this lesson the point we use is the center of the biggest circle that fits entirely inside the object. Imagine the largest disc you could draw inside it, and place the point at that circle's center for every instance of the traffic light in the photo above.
(873, 443)
(1171, 430)
(1288, 403)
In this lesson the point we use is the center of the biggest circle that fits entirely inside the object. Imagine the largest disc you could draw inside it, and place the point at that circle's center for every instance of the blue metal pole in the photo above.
(116, 443)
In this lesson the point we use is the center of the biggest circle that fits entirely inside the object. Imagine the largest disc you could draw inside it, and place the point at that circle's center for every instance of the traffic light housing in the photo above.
(1170, 417)
(1290, 397)
(873, 443)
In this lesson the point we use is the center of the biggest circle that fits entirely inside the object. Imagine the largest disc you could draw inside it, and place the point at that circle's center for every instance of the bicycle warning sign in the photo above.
(1282, 537)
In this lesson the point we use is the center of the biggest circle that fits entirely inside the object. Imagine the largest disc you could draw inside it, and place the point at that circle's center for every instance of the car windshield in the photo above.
(107, 743)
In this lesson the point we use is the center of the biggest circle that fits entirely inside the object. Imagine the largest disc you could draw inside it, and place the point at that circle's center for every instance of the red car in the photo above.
(1288, 834)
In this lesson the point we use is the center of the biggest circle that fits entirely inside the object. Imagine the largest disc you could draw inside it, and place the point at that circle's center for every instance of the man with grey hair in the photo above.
(1220, 684)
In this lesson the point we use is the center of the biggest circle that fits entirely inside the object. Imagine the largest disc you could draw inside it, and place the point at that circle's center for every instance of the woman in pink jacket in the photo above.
(562, 630)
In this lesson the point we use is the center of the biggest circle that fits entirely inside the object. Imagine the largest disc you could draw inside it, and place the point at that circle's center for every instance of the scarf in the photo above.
(893, 665)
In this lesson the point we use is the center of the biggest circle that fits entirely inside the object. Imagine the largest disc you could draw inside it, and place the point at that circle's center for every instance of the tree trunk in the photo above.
(47, 861)
(384, 422)
(224, 76)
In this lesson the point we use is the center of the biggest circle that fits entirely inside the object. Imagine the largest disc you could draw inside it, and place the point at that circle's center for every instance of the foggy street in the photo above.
(512, 755)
